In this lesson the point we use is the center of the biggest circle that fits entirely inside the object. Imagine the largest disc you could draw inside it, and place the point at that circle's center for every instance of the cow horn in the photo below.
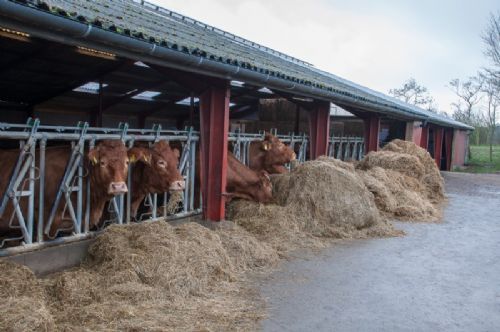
(94, 161)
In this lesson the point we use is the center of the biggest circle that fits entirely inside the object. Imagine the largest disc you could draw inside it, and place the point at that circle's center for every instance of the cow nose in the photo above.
(116, 188)
(177, 185)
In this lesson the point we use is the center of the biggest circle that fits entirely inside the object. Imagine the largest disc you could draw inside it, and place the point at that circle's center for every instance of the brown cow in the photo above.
(107, 166)
(155, 171)
(243, 182)
(270, 155)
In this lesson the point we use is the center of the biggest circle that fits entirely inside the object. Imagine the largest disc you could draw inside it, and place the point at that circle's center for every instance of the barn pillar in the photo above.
(319, 129)
(214, 127)
(424, 138)
(438, 145)
(371, 134)
(448, 143)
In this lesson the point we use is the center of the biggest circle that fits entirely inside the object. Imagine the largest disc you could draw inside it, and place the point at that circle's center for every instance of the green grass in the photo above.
(479, 161)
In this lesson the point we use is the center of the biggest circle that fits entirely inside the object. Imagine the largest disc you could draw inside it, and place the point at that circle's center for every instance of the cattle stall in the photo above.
(24, 192)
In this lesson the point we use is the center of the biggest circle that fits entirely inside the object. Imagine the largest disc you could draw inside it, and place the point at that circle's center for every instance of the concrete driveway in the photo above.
(440, 277)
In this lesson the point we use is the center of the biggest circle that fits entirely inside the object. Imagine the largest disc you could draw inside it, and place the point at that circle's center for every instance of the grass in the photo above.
(479, 161)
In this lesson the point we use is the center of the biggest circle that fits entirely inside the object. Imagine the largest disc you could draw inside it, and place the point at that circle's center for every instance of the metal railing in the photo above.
(22, 204)
(346, 148)
(241, 142)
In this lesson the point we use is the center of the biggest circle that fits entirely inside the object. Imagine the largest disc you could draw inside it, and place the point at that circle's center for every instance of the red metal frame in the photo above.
(371, 134)
(438, 145)
(319, 129)
(424, 138)
(448, 141)
(214, 127)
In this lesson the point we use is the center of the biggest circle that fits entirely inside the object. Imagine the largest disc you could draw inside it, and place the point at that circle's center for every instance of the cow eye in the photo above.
(102, 163)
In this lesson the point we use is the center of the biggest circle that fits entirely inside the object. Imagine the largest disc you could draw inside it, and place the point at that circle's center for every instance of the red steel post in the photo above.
(438, 145)
(319, 129)
(214, 127)
(448, 143)
(424, 138)
(372, 129)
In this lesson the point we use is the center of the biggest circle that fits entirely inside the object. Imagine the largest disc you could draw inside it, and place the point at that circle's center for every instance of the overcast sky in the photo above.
(378, 44)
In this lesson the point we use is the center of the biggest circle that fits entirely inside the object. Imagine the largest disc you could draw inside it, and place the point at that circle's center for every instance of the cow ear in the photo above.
(139, 154)
(94, 156)
(177, 153)
(266, 146)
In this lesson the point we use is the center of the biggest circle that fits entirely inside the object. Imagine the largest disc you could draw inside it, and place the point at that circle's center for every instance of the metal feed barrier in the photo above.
(28, 174)
(346, 148)
(241, 144)
(25, 188)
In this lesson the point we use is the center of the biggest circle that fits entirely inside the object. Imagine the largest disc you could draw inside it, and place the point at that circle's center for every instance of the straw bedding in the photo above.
(405, 181)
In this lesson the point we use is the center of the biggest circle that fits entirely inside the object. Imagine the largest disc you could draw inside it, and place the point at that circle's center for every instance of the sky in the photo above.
(378, 44)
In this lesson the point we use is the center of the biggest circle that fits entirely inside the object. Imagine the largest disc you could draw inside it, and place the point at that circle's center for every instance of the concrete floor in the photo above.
(440, 277)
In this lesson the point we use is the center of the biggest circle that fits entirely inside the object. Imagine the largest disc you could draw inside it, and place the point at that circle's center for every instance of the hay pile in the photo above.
(318, 200)
(146, 277)
(24, 303)
(405, 181)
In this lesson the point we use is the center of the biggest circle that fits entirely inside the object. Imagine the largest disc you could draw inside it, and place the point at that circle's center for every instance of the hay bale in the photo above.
(318, 200)
(405, 181)
(24, 304)
(432, 179)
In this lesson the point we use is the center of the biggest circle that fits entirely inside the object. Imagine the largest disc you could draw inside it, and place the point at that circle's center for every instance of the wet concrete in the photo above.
(440, 277)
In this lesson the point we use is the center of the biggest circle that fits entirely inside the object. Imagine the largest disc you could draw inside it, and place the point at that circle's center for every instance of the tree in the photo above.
(491, 39)
(415, 94)
(491, 89)
(469, 96)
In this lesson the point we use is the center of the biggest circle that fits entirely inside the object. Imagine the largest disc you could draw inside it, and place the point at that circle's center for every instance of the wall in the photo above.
(460, 145)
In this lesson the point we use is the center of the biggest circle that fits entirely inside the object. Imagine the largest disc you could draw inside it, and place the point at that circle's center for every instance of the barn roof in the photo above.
(146, 32)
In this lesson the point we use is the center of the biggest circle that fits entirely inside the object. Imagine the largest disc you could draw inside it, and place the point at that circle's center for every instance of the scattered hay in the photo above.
(23, 306)
(405, 181)
(175, 200)
(144, 277)
(317, 201)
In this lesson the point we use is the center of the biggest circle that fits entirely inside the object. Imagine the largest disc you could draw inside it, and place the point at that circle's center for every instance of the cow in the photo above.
(155, 171)
(270, 155)
(107, 168)
(241, 181)
(245, 183)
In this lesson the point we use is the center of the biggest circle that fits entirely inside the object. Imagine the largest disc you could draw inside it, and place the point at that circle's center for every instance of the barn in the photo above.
(81, 71)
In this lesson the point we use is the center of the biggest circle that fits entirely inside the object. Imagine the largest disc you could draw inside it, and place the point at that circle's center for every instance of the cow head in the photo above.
(109, 167)
(161, 164)
(276, 153)
(260, 191)
(264, 194)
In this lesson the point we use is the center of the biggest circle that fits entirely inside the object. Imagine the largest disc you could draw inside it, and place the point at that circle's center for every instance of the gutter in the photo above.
(63, 30)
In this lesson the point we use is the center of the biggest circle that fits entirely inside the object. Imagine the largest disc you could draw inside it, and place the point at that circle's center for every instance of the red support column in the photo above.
(319, 129)
(448, 143)
(424, 138)
(214, 127)
(438, 145)
(372, 129)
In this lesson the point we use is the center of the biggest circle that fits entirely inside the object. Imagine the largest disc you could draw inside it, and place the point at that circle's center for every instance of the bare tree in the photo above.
(491, 89)
(469, 96)
(415, 94)
(491, 38)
